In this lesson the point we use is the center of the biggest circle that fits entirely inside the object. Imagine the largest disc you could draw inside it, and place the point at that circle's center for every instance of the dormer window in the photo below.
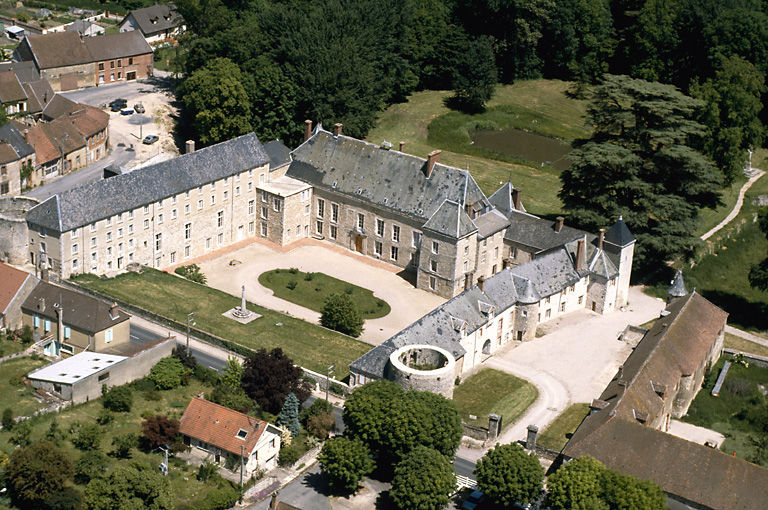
(241, 434)
(659, 388)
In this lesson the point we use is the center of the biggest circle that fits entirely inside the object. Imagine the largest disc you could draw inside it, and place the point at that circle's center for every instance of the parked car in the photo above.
(139, 108)
(473, 500)
(118, 104)
(126, 111)
(150, 139)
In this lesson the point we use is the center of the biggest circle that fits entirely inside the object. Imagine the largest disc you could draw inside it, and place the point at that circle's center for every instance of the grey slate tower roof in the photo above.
(677, 289)
(101, 199)
(502, 199)
(619, 234)
(450, 220)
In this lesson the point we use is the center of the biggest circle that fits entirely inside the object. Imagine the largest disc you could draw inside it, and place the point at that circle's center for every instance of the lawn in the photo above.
(186, 489)
(559, 431)
(13, 393)
(492, 391)
(8, 346)
(709, 218)
(307, 344)
(738, 412)
(310, 290)
(743, 345)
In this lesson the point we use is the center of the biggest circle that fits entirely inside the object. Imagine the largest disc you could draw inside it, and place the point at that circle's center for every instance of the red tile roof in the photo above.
(219, 425)
(11, 280)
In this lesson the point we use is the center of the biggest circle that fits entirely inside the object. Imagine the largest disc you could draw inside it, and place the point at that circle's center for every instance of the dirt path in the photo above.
(736, 208)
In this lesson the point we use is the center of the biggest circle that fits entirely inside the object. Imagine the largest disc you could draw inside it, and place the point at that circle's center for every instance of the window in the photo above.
(262, 179)
(213, 199)
(466, 266)
(241, 434)
(120, 248)
(237, 191)
(466, 251)
(226, 194)
(200, 190)
(159, 218)
(435, 247)
(432, 282)
(482, 258)
(396, 233)
(146, 223)
(119, 232)
(199, 204)
(186, 194)
(103, 377)
(186, 209)
(263, 229)
(264, 197)
(377, 248)
(112, 64)
(47, 325)
(130, 228)
(433, 266)
(112, 75)
(562, 306)
(120, 218)
(250, 207)
(360, 221)
(335, 213)
(250, 186)
(213, 185)
(119, 63)
(220, 219)
(188, 231)
(393, 253)
(146, 209)
(496, 252)
(333, 232)
(75, 264)
(158, 242)
(306, 210)
(547, 314)
(108, 336)
(208, 243)
(264, 212)
(173, 257)
(109, 236)
(101, 66)
(277, 204)
(36, 321)
(379, 227)
(320, 208)
(173, 214)
(319, 227)
(109, 221)
(298, 231)
(93, 256)
(74, 248)
(250, 227)
(68, 349)
(109, 250)
(93, 227)
(130, 61)
(416, 239)
(581, 299)
(220, 239)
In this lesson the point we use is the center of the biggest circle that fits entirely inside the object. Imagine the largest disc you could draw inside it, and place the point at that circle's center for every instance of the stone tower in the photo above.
(620, 245)
(677, 287)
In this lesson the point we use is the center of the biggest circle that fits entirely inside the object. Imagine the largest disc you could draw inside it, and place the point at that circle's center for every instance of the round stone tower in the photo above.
(424, 368)
(14, 234)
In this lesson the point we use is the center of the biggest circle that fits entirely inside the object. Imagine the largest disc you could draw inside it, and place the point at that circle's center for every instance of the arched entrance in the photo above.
(487, 347)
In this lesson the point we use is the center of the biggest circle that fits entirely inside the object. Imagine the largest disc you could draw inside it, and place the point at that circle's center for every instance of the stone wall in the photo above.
(14, 234)
(423, 368)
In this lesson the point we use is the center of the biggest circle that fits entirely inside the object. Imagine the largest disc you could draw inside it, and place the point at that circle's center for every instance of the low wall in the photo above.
(479, 433)
(760, 361)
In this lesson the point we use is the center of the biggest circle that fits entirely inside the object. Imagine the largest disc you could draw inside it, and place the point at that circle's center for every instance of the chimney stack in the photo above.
(516, 195)
(41, 305)
(307, 129)
(481, 283)
(601, 239)
(432, 158)
(337, 129)
(559, 224)
(190, 146)
(580, 255)
(60, 325)
(113, 310)
(402, 146)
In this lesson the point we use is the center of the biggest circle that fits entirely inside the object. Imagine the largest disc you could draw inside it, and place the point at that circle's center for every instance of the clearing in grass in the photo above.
(492, 391)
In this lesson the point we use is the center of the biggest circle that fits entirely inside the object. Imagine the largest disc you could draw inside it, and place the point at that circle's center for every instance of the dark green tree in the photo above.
(130, 486)
(345, 462)
(118, 399)
(36, 472)
(87, 437)
(289, 415)
(216, 102)
(341, 314)
(576, 485)
(8, 422)
(508, 475)
(268, 378)
(159, 431)
(624, 492)
(68, 498)
(91, 464)
(123, 444)
(758, 273)
(169, 373)
(423, 480)
(185, 356)
(233, 398)
(642, 163)
(273, 97)
(653, 46)
(475, 77)
(21, 433)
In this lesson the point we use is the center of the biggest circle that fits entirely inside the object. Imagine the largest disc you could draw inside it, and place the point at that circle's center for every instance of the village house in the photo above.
(22, 91)
(221, 432)
(16, 155)
(85, 28)
(15, 286)
(157, 23)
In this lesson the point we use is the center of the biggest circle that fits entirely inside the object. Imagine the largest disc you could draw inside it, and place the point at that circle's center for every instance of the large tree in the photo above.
(268, 378)
(475, 77)
(643, 163)
(508, 475)
(159, 430)
(345, 461)
(131, 486)
(341, 314)
(36, 472)
(423, 480)
(576, 485)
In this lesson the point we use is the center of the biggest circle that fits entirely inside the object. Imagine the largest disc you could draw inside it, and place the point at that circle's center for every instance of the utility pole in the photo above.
(190, 322)
(328, 380)
(242, 453)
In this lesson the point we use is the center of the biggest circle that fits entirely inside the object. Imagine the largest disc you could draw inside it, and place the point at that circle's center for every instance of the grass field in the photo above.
(312, 289)
(8, 346)
(13, 393)
(308, 345)
(744, 345)
(492, 391)
(559, 431)
(737, 412)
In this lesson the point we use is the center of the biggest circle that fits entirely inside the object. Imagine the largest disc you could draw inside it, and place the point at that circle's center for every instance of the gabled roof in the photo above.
(389, 179)
(11, 137)
(58, 49)
(45, 150)
(538, 233)
(39, 94)
(88, 120)
(218, 425)
(279, 154)
(502, 199)
(11, 90)
(58, 106)
(82, 26)
(81, 311)
(601, 265)
(11, 281)
(490, 223)
(156, 18)
(63, 135)
(98, 200)
(619, 234)
(122, 44)
(450, 220)
(549, 273)
(25, 71)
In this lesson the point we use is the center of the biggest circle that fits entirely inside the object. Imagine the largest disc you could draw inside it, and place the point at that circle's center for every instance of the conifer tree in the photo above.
(289, 415)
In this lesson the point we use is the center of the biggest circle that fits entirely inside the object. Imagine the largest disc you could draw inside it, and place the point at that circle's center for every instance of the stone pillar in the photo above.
(494, 426)
(530, 441)
(242, 302)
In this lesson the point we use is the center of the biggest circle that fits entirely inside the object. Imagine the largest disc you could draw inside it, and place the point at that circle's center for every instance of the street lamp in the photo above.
(328, 380)
(190, 322)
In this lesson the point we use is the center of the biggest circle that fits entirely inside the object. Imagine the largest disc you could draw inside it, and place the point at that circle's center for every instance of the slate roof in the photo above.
(122, 44)
(450, 220)
(81, 311)
(602, 265)
(538, 233)
(549, 273)
(11, 137)
(58, 106)
(98, 200)
(58, 49)
(219, 425)
(389, 179)
(156, 18)
(619, 234)
(490, 223)
(279, 154)
(677, 288)
(502, 199)
(10, 88)
(39, 94)
(11, 281)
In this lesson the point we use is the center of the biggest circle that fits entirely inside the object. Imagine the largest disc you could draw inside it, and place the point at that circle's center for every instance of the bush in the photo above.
(185, 356)
(91, 464)
(289, 455)
(309, 277)
(26, 335)
(143, 384)
(293, 270)
(221, 498)
(118, 399)
(122, 445)
(341, 314)
(291, 284)
(232, 398)
(105, 417)
(336, 389)
(169, 373)
(320, 425)
(22, 16)
(206, 375)
(7, 421)
(206, 471)
(159, 431)
(191, 272)
(87, 437)
(318, 407)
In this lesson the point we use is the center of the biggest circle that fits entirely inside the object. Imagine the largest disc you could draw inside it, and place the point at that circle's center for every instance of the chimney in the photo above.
(113, 310)
(601, 239)
(60, 327)
(402, 146)
(516, 195)
(190, 147)
(470, 211)
(481, 283)
(307, 129)
(559, 224)
(580, 255)
(432, 158)
(41, 305)
(44, 274)
(337, 129)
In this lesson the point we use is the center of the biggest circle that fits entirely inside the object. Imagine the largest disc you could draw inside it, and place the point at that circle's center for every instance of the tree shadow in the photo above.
(741, 312)
(319, 483)
(384, 502)
(460, 104)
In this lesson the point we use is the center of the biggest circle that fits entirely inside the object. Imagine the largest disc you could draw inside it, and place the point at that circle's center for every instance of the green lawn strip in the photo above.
(729, 413)
(13, 392)
(559, 431)
(709, 218)
(308, 345)
(744, 345)
(312, 289)
(172, 403)
(492, 391)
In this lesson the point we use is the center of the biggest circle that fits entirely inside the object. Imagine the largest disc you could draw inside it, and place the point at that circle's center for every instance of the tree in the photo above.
(159, 431)
(508, 475)
(733, 104)
(475, 77)
(20, 434)
(320, 425)
(577, 485)
(340, 313)
(624, 492)
(289, 415)
(346, 462)
(423, 480)
(68, 498)
(235, 399)
(642, 163)
(233, 374)
(118, 399)
(216, 102)
(36, 472)
(87, 437)
(123, 444)
(8, 421)
(273, 97)
(133, 486)
(758, 273)
(169, 373)
(91, 464)
(268, 378)
(185, 356)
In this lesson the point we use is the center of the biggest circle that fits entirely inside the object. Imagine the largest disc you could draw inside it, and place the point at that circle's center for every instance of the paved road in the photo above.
(464, 467)
(141, 334)
(97, 96)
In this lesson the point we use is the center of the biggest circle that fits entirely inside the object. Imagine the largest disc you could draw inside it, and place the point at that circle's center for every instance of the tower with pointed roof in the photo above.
(677, 288)
(620, 247)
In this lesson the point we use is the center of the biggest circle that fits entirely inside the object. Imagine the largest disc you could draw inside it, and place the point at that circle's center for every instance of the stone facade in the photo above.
(14, 234)
(424, 368)
(70, 77)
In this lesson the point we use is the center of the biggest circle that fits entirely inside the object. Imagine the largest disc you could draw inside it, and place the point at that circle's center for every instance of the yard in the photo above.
(739, 412)
(492, 391)
(9, 346)
(744, 345)
(311, 290)
(13, 393)
(308, 345)
(559, 431)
